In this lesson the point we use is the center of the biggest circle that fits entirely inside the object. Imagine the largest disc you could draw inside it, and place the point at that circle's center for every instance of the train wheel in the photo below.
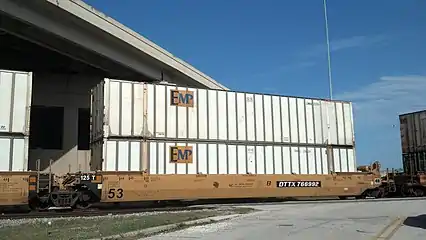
(418, 192)
(360, 196)
(43, 208)
(84, 201)
(410, 192)
(38, 205)
(402, 192)
(378, 193)
(83, 205)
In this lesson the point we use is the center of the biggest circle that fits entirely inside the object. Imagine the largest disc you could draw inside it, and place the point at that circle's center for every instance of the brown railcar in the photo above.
(134, 186)
(81, 190)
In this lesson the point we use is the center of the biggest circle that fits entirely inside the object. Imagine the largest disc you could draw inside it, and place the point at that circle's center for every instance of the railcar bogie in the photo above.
(395, 184)
(44, 191)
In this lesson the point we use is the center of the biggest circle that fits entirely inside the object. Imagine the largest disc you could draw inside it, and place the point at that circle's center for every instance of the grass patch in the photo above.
(97, 227)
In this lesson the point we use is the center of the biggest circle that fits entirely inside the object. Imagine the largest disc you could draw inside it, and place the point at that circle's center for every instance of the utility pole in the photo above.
(330, 155)
(330, 83)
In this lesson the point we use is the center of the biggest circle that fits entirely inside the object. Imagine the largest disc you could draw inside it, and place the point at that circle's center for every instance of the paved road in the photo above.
(348, 221)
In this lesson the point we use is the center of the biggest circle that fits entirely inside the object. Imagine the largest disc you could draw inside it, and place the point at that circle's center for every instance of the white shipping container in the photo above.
(413, 132)
(217, 158)
(133, 109)
(13, 153)
(15, 101)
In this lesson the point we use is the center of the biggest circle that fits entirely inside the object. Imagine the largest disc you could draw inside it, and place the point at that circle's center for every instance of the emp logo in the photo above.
(181, 154)
(182, 98)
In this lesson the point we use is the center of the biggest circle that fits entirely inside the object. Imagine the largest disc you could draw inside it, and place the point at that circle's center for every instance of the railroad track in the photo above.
(393, 199)
(304, 201)
(96, 212)
(321, 201)
(194, 205)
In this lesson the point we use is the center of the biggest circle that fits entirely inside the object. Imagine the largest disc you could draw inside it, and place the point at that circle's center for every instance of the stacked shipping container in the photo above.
(413, 141)
(175, 130)
(15, 102)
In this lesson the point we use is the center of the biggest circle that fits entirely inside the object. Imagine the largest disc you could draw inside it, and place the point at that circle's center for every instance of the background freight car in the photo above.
(413, 141)
(15, 102)
(124, 111)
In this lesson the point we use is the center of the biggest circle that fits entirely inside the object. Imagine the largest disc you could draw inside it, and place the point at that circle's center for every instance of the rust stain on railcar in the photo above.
(241, 185)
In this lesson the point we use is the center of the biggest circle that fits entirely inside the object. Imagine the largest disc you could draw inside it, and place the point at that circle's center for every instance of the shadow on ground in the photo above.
(417, 221)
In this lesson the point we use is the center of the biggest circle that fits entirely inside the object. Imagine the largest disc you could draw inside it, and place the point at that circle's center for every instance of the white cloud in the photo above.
(356, 41)
(297, 65)
(381, 102)
(309, 57)
(344, 43)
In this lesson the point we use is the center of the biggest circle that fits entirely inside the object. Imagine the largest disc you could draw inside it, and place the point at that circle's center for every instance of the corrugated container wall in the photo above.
(414, 162)
(15, 101)
(413, 141)
(413, 132)
(154, 112)
(217, 158)
(133, 109)
(14, 153)
(15, 105)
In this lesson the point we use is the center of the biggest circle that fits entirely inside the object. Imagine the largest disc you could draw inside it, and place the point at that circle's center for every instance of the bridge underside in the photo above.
(63, 74)
(26, 48)
(88, 37)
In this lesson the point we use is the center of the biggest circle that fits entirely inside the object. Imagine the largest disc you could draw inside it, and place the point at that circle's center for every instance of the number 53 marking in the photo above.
(115, 193)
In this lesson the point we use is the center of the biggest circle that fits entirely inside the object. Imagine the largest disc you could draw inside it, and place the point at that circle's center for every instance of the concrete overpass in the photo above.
(70, 47)
(82, 39)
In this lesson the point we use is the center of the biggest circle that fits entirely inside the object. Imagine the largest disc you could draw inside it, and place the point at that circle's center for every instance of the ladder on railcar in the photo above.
(44, 180)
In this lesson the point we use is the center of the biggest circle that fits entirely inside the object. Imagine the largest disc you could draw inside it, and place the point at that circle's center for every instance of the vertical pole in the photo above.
(144, 142)
(329, 147)
(328, 51)
(387, 175)
(50, 175)
(38, 174)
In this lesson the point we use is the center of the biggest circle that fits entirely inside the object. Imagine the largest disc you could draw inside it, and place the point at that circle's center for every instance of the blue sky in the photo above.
(277, 46)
